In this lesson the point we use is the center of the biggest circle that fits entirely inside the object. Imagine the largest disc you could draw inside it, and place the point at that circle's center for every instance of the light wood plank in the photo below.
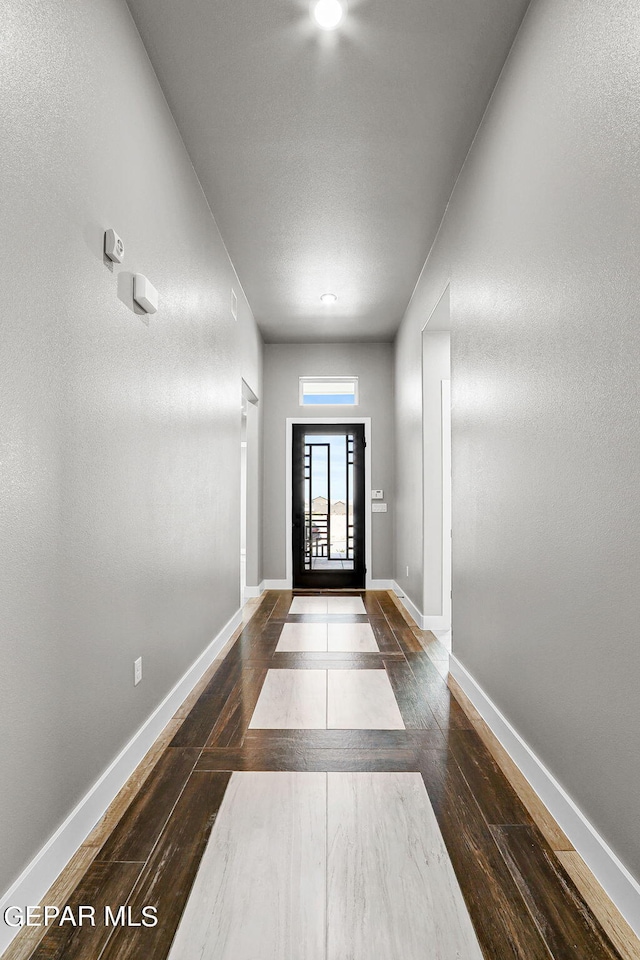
(351, 637)
(611, 920)
(344, 605)
(292, 699)
(361, 700)
(316, 605)
(303, 637)
(260, 889)
(392, 891)
(464, 701)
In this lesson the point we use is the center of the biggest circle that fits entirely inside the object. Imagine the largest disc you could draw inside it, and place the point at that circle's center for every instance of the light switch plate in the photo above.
(377, 494)
(378, 508)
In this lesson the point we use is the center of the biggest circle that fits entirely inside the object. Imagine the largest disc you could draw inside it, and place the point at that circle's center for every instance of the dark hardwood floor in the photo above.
(522, 903)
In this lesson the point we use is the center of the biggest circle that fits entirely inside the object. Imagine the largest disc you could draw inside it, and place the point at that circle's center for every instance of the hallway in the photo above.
(325, 796)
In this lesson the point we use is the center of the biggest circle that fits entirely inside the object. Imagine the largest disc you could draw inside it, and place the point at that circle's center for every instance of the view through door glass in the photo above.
(328, 505)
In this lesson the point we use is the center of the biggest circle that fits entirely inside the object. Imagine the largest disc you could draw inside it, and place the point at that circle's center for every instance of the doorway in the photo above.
(328, 506)
(249, 495)
(436, 439)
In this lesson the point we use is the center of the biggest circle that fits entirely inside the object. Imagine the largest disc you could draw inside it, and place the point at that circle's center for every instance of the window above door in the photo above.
(328, 391)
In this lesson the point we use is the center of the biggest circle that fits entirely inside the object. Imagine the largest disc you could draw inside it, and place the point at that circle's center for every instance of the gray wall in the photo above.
(372, 363)
(120, 436)
(542, 243)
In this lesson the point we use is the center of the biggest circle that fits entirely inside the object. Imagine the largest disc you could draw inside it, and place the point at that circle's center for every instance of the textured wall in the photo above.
(542, 244)
(284, 364)
(120, 437)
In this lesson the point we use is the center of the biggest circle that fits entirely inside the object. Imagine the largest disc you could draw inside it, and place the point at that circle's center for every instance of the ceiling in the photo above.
(328, 158)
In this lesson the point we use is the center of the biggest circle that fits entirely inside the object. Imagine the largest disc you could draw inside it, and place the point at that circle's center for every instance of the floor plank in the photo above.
(413, 701)
(492, 791)
(553, 834)
(391, 890)
(291, 757)
(384, 635)
(351, 638)
(315, 605)
(611, 920)
(104, 885)
(559, 910)
(361, 699)
(292, 698)
(135, 835)
(167, 879)
(260, 891)
(232, 723)
(345, 605)
(344, 739)
(506, 930)
(300, 637)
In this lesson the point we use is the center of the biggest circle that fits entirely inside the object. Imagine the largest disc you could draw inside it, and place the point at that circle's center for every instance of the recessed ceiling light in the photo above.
(328, 13)
(328, 298)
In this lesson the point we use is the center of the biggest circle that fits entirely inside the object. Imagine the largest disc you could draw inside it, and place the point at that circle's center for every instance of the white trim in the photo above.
(608, 870)
(436, 623)
(288, 492)
(251, 593)
(445, 388)
(410, 606)
(275, 585)
(381, 585)
(350, 380)
(430, 318)
(50, 861)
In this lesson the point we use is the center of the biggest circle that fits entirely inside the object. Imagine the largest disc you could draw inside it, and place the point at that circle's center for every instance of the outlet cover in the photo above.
(137, 671)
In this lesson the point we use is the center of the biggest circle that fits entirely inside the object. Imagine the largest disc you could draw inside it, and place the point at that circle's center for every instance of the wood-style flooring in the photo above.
(326, 796)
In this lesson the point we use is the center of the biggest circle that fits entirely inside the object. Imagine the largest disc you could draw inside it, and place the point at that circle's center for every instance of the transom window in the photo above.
(328, 391)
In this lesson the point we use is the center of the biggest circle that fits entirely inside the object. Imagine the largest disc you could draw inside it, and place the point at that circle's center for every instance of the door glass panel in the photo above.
(328, 502)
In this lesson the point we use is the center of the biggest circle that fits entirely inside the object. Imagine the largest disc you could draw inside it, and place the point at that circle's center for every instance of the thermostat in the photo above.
(113, 246)
(144, 293)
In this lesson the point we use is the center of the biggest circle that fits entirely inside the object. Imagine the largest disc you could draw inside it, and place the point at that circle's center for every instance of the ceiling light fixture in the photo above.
(328, 13)
(328, 298)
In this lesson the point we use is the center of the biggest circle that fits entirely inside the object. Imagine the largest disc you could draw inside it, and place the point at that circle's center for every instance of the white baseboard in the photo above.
(276, 585)
(435, 623)
(380, 584)
(50, 861)
(251, 593)
(610, 872)
(408, 604)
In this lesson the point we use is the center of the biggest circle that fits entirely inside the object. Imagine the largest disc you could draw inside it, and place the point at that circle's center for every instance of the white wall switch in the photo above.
(377, 494)
(113, 246)
(378, 508)
(144, 293)
(137, 671)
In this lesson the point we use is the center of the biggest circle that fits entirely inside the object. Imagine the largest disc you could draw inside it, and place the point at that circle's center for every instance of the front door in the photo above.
(328, 505)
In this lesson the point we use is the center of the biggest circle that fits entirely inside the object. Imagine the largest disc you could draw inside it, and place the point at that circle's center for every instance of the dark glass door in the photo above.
(328, 505)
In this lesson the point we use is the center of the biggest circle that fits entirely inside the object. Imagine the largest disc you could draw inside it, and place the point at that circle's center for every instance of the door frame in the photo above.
(289, 489)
